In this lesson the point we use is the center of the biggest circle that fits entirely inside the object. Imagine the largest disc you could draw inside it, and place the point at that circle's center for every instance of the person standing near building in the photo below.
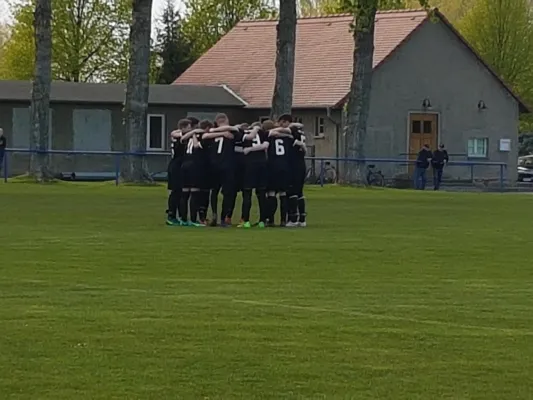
(439, 160)
(3, 145)
(422, 164)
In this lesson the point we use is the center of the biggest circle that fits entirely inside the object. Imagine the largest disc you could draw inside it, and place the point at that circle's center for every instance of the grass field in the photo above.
(386, 295)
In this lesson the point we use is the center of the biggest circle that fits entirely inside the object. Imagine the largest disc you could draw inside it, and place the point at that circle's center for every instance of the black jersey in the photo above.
(194, 155)
(222, 150)
(298, 155)
(177, 148)
(279, 150)
(256, 156)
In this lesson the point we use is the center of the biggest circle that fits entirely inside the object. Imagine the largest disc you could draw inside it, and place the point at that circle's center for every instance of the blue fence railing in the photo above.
(322, 162)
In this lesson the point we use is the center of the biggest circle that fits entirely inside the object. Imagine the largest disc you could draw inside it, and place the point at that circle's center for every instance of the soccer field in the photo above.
(386, 295)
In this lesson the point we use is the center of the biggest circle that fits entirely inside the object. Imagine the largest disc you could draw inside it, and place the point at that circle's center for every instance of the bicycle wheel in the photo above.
(376, 179)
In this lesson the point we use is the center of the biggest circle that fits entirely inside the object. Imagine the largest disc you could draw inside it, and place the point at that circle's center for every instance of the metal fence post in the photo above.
(321, 173)
(117, 169)
(501, 177)
(5, 165)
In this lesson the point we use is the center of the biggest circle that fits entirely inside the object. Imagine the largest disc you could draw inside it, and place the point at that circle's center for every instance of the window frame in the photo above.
(149, 133)
(475, 141)
(320, 126)
(298, 120)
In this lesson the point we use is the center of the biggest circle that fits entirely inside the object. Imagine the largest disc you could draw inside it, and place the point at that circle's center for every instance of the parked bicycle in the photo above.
(373, 177)
(330, 175)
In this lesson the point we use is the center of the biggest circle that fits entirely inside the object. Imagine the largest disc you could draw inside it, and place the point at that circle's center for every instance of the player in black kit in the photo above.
(174, 171)
(192, 171)
(223, 160)
(255, 174)
(280, 141)
(297, 212)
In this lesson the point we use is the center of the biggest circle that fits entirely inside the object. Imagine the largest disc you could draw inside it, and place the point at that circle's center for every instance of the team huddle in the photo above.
(209, 158)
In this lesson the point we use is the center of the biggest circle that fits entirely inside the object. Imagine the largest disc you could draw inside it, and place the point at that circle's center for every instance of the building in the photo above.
(429, 86)
(89, 117)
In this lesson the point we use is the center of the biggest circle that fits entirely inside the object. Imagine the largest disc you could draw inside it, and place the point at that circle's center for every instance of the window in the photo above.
(155, 132)
(428, 127)
(478, 147)
(416, 126)
(299, 120)
(319, 126)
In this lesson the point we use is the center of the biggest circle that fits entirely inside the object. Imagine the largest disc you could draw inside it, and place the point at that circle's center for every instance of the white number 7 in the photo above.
(220, 141)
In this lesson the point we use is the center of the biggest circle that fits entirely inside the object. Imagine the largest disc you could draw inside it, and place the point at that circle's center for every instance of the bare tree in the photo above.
(40, 96)
(137, 90)
(358, 107)
(286, 48)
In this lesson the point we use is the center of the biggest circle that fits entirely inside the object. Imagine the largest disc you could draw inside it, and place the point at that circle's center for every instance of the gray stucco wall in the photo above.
(434, 64)
(88, 127)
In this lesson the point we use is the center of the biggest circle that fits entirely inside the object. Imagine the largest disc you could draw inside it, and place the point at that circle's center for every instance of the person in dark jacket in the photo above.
(439, 160)
(422, 164)
(3, 145)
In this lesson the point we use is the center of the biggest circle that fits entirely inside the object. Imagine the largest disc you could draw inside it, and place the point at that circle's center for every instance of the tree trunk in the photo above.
(286, 48)
(137, 91)
(40, 95)
(358, 106)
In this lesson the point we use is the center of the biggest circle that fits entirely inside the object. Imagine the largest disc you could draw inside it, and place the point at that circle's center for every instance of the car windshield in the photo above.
(526, 162)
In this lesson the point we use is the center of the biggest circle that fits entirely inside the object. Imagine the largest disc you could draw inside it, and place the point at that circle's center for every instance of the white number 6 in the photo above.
(280, 149)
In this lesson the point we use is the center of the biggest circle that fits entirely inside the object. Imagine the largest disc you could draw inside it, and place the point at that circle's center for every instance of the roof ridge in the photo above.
(326, 16)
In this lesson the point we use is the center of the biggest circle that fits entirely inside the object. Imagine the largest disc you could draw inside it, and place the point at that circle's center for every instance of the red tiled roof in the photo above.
(244, 59)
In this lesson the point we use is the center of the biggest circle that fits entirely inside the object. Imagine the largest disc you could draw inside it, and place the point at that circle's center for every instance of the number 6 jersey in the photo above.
(279, 151)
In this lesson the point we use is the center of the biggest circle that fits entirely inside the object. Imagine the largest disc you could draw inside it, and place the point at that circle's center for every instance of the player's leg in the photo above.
(271, 203)
(196, 194)
(292, 202)
(184, 205)
(196, 198)
(283, 208)
(247, 187)
(175, 186)
(260, 192)
(228, 197)
(213, 199)
(283, 185)
(302, 215)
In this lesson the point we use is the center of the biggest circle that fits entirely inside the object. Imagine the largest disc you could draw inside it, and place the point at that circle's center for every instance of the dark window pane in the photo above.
(428, 126)
(416, 127)
(156, 126)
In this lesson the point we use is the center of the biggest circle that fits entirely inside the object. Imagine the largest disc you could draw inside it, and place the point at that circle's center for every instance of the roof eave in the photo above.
(522, 106)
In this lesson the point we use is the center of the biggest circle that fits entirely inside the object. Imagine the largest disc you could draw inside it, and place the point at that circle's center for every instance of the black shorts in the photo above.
(174, 178)
(279, 178)
(192, 176)
(297, 178)
(239, 174)
(206, 177)
(255, 175)
(223, 177)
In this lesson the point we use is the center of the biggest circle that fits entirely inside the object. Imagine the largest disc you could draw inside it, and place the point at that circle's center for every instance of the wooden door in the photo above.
(423, 129)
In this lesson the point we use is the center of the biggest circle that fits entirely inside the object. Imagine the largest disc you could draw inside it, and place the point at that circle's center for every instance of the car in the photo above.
(525, 169)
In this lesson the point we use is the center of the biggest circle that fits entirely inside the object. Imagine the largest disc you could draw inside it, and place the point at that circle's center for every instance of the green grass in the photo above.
(386, 295)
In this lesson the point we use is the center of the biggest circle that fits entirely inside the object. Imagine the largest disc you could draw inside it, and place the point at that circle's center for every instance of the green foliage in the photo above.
(206, 21)
(88, 40)
(505, 41)
(172, 47)
(525, 146)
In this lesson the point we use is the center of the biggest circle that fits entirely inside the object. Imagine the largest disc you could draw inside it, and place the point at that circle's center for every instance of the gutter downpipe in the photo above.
(337, 138)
